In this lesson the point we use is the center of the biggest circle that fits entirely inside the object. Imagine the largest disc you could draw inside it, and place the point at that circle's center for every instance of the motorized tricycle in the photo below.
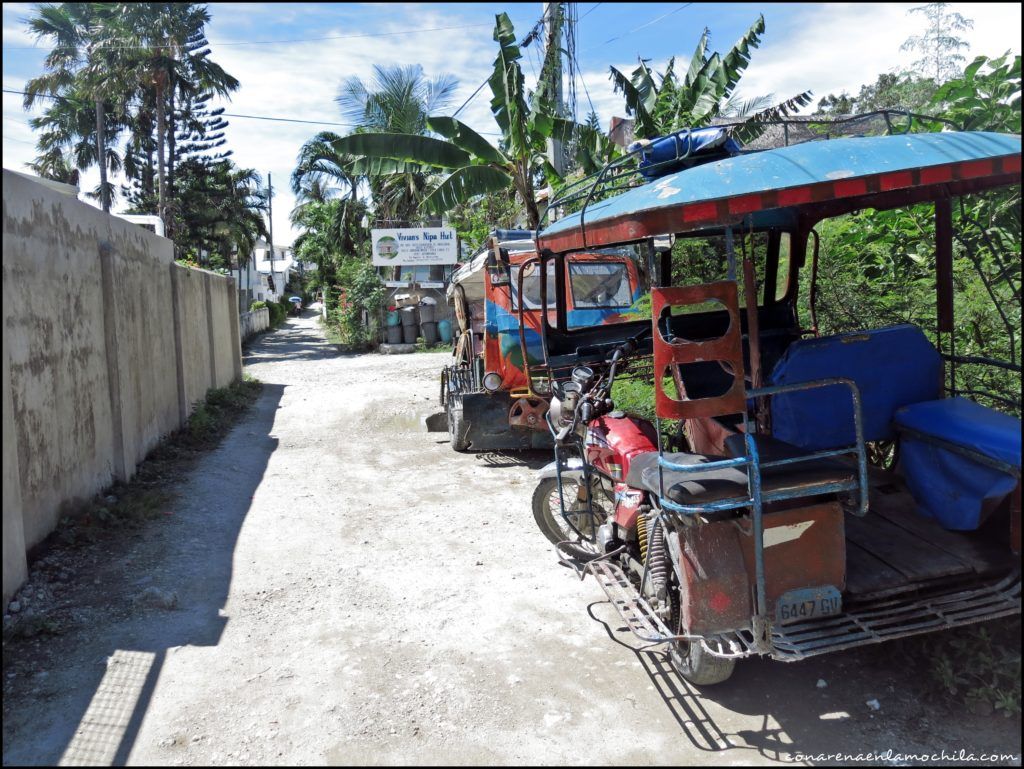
(491, 399)
(795, 493)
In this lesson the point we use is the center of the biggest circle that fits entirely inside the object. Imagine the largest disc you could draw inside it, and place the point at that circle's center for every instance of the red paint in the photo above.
(720, 602)
(936, 174)
(795, 196)
(745, 204)
(896, 181)
(845, 188)
(616, 440)
(975, 168)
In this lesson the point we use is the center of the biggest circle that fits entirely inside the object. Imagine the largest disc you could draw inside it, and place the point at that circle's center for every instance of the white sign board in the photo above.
(416, 245)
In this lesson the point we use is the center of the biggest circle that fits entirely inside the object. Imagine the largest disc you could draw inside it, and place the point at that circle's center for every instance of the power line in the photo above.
(238, 115)
(594, 6)
(643, 26)
(265, 42)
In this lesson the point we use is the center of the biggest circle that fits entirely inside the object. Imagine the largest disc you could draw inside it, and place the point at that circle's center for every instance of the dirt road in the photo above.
(352, 591)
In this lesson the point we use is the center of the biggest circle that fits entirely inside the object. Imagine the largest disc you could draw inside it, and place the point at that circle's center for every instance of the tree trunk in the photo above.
(161, 131)
(101, 156)
(170, 141)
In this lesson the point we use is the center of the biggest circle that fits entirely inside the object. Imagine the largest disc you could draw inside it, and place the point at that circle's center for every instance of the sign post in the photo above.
(412, 246)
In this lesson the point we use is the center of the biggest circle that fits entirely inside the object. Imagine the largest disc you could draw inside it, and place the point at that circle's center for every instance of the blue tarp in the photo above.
(684, 149)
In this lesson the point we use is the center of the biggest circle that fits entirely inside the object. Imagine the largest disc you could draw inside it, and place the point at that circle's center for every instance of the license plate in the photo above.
(808, 603)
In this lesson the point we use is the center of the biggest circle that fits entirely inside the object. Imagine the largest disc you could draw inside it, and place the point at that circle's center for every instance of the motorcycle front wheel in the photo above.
(547, 512)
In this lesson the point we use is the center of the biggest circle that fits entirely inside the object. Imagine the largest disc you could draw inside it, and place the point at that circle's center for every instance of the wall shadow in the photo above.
(103, 677)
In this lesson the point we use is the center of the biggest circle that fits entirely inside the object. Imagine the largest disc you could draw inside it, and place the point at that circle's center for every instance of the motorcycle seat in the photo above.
(704, 486)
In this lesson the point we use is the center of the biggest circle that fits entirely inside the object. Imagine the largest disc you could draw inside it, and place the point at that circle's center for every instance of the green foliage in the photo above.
(986, 97)
(905, 91)
(259, 304)
(363, 292)
(277, 314)
(475, 219)
(980, 663)
(878, 267)
(473, 166)
(663, 103)
(939, 46)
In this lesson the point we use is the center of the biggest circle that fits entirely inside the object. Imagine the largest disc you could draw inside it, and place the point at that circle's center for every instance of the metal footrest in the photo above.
(631, 606)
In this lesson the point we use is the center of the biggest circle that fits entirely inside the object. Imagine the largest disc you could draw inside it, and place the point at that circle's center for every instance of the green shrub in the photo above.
(259, 304)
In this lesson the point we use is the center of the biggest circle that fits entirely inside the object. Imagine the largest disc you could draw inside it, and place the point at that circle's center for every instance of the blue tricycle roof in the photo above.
(788, 176)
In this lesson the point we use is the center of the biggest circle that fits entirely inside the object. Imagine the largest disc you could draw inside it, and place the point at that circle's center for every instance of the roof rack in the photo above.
(624, 172)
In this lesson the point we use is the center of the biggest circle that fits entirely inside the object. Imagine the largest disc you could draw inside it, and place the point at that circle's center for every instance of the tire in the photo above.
(551, 523)
(698, 666)
(456, 423)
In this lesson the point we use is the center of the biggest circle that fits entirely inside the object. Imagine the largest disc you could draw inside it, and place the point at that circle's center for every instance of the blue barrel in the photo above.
(394, 319)
(444, 329)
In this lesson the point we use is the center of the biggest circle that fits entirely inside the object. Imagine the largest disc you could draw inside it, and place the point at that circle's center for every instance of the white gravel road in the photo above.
(352, 591)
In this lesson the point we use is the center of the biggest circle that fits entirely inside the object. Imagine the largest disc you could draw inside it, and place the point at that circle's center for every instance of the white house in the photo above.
(275, 273)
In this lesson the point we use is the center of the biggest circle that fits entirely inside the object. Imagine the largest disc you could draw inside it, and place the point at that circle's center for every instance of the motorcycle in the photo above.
(592, 503)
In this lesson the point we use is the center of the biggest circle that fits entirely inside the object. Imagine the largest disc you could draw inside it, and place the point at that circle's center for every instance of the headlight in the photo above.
(492, 381)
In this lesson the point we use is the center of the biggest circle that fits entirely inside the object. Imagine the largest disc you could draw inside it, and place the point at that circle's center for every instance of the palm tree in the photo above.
(663, 103)
(397, 100)
(85, 62)
(474, 166)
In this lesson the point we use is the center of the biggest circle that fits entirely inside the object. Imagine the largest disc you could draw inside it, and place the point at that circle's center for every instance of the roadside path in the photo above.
(352, 591)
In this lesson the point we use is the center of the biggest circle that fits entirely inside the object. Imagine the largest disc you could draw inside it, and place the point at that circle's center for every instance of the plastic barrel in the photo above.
(409, 317)
(409, 334)
(394, 334)
(429, 333)
(426, 313)
(394, 319)
(444, 330)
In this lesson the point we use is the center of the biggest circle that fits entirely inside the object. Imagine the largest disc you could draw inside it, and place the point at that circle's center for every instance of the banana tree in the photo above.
(663, 103)
(473, 165)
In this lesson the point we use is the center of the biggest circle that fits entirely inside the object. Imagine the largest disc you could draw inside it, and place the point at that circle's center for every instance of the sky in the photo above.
(291, 57)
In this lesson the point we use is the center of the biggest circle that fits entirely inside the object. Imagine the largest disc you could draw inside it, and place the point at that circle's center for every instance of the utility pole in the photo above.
(270, 216)
(553, 18)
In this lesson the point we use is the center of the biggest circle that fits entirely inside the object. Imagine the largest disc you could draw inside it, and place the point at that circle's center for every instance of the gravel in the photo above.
(338, 599)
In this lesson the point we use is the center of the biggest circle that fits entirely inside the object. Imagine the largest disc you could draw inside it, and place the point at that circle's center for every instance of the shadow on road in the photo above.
(104, 677)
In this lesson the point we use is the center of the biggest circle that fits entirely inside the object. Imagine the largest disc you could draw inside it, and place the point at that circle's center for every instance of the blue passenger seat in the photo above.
(960, 459)
(892, 367)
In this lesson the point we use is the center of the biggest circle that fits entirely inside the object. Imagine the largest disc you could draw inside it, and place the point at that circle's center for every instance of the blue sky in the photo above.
(290, 58)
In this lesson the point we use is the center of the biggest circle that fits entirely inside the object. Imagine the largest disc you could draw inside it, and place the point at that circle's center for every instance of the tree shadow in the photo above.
(101, 679)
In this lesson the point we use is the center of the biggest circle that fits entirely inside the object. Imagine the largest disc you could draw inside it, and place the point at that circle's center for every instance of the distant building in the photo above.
(620, 131)
(277, 271)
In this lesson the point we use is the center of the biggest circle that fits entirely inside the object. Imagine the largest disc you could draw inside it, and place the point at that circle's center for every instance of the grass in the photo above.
(979, 665)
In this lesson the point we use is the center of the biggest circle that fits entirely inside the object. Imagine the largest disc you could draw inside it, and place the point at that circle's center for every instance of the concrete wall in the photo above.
(107, 346)
(254, 321)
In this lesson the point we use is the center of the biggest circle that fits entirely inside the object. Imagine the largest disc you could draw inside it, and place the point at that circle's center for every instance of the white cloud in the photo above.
(835, 47)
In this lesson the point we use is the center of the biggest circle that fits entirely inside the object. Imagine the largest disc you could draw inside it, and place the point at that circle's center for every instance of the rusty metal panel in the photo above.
(803, 547)
(727, 348)
(714, 595)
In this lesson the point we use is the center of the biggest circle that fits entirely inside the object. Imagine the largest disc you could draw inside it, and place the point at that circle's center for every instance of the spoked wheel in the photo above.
(547, 511)
(456, 422)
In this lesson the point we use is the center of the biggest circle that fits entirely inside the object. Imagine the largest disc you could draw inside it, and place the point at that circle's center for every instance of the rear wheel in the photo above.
(547, 512)
(701, 668)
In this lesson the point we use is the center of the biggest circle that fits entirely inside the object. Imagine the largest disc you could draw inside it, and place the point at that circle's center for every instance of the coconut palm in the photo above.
(472, 165)
(84, 66)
